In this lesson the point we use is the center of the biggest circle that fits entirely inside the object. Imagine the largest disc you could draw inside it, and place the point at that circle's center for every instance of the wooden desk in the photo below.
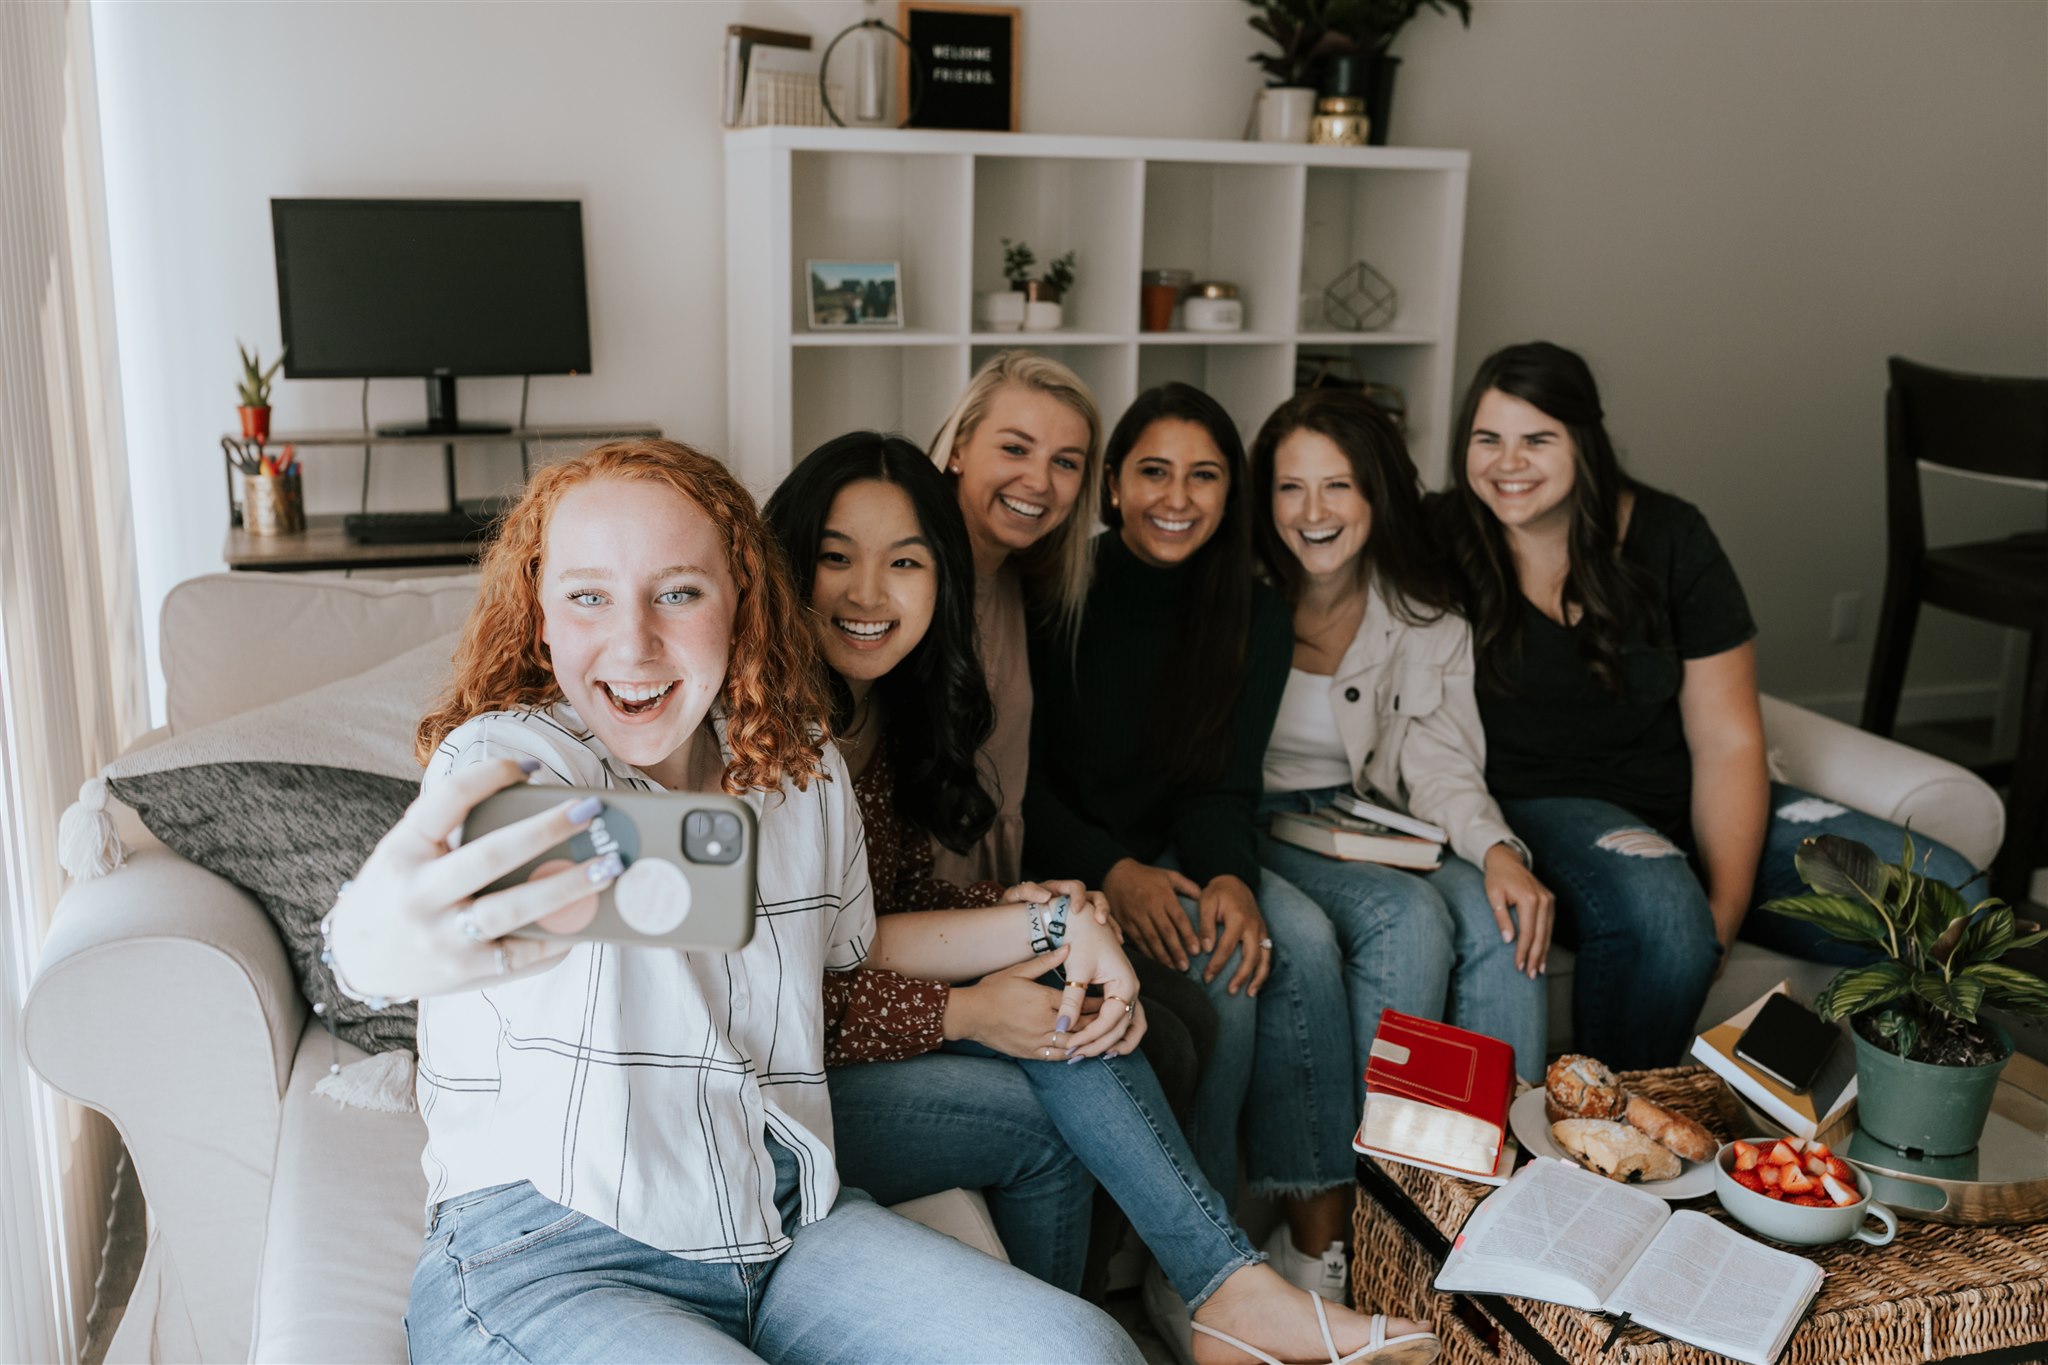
(323, 544)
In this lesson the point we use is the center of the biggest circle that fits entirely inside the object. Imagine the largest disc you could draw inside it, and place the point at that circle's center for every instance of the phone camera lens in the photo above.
(711, 837)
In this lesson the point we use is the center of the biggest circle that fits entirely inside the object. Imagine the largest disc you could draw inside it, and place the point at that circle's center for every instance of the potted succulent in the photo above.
(1340, 46)
(254, 391)
(1927, 1062)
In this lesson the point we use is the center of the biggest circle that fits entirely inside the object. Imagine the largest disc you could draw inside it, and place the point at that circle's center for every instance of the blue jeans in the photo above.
(1282, 1065)
(1425, 944)
(1637, 915)
(912, 1128)
(506, 1275)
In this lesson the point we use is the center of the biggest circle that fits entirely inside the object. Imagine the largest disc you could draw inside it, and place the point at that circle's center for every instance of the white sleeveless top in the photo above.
(635, 1085)
(1306, 751)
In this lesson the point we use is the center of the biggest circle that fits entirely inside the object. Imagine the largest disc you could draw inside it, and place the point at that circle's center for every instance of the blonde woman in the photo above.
(1021, 444)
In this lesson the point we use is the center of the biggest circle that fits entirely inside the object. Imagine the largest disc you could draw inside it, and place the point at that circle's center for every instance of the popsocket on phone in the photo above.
(653, 897)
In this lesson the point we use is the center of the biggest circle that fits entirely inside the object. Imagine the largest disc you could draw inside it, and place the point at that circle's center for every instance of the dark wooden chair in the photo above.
(1994, 428)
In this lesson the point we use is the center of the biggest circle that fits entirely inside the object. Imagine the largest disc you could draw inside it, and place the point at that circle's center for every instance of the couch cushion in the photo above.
(286, 801)
(236, 641)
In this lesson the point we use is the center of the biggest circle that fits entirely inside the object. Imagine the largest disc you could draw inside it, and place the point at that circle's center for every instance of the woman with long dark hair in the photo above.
(1617, 685)
(1014, 1096)
(1146, 753)
(1379, 703)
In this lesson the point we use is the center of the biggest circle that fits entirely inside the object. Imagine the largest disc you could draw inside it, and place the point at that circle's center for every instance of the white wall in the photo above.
(1737, 210)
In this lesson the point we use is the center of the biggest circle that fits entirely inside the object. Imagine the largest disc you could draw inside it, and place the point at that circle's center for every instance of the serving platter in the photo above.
(1532, 1129)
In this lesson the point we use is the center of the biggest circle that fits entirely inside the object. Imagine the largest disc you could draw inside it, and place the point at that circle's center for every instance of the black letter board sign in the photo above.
(968, 54)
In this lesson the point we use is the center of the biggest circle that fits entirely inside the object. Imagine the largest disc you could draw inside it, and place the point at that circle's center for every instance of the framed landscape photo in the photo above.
(966, 57)
(853, 294)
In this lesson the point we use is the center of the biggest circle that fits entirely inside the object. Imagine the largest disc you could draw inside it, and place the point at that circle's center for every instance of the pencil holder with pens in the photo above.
(273, 502)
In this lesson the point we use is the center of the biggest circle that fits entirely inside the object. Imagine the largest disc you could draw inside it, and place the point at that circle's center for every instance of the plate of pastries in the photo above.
(1585, 1114)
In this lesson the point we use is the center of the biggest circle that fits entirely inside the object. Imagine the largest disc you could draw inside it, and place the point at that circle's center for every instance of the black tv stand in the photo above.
(441, 418)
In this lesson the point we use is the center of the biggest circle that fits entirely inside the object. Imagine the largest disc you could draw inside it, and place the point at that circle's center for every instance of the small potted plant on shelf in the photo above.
(1927, 1063)
(1005, 310)
(254, 391)
(1046, 294)
(1337, 46)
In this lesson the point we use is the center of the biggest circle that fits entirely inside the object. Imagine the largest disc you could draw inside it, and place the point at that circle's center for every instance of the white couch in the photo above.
(283, 1227)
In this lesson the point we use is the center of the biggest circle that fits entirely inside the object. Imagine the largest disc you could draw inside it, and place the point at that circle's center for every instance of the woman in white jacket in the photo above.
(1380, 703)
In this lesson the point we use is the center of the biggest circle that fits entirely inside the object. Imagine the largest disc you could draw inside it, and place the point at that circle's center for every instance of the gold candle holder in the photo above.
(1339, 122)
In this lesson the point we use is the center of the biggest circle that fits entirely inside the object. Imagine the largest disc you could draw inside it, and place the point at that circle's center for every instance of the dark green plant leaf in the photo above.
(2029, 933)
(1862, 988)
(1951, 938)
(1960, 996)
(1834, 866)
(1846, 919)
(1897, 1027)
(1990, 934)
(1938, 906)
(2008, 987)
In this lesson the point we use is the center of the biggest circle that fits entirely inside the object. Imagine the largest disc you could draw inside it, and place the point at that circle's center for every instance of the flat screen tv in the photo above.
(368, 288)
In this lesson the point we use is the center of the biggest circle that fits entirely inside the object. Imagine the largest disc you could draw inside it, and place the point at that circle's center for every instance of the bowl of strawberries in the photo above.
(1793, 1190)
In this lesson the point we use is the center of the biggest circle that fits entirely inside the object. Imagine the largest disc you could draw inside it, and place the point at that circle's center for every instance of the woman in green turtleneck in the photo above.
(1147, 746)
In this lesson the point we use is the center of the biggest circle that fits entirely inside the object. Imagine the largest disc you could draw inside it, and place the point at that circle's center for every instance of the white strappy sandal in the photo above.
(1416, 1348)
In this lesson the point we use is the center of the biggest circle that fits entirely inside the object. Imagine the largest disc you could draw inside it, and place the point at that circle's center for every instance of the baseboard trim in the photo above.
(1917, 705)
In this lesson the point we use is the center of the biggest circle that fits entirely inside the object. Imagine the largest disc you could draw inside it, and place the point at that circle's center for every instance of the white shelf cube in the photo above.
(1277, 220)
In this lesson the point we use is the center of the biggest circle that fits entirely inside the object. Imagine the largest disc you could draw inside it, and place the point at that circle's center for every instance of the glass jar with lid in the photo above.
(1213, 306)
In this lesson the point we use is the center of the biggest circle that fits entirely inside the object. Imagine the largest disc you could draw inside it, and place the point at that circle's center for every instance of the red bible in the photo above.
(1437, 1094)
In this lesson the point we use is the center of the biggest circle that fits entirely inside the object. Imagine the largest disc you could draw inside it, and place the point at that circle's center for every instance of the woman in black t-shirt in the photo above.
(1617, 685)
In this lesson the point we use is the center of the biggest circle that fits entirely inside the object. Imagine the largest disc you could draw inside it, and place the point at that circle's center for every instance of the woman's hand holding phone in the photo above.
(410, 923)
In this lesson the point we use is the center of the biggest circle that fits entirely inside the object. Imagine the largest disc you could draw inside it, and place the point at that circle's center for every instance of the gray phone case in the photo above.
(689, 876)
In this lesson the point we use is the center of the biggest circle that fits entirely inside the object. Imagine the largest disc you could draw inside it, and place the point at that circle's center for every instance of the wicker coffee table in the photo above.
(1937, 1293)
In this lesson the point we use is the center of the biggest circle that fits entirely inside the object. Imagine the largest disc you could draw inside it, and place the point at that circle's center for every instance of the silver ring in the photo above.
(502, 959)
(465, 920)
(1266, 943)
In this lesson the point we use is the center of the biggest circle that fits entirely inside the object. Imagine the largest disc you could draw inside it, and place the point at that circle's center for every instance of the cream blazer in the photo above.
(1404, 702)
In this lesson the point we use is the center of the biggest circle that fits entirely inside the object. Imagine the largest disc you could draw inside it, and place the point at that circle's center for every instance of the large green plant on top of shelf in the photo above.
(1310, 32)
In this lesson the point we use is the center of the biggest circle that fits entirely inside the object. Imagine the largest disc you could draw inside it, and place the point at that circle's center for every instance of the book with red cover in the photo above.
(1437, 1093)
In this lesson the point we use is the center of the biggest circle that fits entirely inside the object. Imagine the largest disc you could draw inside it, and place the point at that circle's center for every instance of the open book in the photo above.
(1564, 1235)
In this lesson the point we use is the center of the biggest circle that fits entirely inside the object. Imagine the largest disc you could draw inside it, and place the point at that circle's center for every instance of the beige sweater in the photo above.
(1006, 759)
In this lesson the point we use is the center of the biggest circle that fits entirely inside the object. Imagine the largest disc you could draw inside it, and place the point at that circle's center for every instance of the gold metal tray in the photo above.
(2004, 1181)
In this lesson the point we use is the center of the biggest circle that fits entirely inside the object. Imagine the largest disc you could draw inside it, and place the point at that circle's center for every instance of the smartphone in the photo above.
(1788, 1042)
(689, 863)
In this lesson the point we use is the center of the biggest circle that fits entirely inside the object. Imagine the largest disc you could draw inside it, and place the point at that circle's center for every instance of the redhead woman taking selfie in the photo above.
(629, 1147)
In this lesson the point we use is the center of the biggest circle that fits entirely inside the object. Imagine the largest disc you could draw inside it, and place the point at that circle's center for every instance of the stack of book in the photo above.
(1436, 1096)
(1803, 1113)
(1356, 830)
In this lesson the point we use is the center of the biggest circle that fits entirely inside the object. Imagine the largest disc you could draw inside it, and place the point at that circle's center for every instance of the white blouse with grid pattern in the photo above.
(635, 1085)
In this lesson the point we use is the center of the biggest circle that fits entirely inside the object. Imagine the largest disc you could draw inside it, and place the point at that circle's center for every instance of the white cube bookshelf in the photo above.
(1278, 220)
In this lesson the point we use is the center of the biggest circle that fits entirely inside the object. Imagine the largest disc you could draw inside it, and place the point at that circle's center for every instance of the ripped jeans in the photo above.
(1630, 904)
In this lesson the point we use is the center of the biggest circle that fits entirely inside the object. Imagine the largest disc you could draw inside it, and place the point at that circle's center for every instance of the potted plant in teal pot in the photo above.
(1927, 1062)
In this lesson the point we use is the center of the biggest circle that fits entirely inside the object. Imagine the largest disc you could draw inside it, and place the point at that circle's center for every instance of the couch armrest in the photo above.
(164, 1000)
(1885, 778)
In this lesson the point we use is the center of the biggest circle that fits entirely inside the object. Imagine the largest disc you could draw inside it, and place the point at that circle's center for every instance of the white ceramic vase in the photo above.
(1040, 316)
(1001, 311)
(1285, 113)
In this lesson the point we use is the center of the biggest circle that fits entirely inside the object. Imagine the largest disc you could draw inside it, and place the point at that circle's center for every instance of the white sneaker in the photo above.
(1327, 1276)
(1168, 1314)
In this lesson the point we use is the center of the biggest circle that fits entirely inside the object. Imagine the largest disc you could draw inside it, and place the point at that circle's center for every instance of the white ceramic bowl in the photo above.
(1800, 1224)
